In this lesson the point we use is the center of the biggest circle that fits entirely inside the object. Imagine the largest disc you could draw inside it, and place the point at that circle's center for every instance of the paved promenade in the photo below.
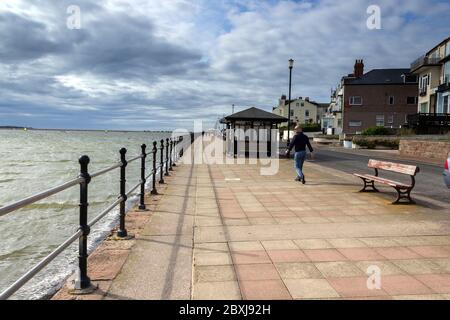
(226, 232)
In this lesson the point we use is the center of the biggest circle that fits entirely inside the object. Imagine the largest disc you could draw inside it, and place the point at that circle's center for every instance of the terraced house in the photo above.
(380, 97)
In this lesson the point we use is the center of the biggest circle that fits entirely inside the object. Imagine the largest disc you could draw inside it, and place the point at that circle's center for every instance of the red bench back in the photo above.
(394, 167)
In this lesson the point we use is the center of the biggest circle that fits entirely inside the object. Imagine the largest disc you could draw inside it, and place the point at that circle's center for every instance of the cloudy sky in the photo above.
(161, 64)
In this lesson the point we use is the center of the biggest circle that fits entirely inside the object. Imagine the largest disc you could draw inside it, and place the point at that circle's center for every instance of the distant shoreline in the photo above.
(77, 130)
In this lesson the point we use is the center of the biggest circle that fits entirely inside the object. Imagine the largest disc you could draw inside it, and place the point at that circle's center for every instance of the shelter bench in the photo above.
(403, 189)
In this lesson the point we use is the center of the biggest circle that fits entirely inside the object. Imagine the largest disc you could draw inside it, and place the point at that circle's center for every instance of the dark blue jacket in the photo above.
(300, 141)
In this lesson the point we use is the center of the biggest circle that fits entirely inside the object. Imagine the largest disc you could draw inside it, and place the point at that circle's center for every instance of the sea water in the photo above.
(33, 161)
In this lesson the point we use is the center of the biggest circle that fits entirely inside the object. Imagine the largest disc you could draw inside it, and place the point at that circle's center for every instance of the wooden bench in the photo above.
(403, 189)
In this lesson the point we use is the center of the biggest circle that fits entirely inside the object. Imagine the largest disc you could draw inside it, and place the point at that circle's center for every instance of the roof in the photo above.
(381, 76)
(302, 100)
(255, 114)
(438, 45)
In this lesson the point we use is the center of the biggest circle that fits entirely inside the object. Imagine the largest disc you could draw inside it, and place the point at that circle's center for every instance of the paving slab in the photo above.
(225, 231)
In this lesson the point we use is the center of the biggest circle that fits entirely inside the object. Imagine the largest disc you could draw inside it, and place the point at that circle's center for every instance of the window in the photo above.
(355, 100)
(303, 104)
(355, 123)
(306, 113)
(391, 100)
(410, 78)
(292, 113)
(411, 100)
(297, 104)
(391, 119)
(424, 107)
(380, 120)
(447, 72)
(424, 82)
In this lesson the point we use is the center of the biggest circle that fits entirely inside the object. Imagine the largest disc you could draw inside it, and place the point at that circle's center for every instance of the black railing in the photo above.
(444, 86)
(423, 91)
(83, 180)
(428, 120)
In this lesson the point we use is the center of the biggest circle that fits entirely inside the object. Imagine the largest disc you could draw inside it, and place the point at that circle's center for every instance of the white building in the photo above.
(303, 111)
(332, 119)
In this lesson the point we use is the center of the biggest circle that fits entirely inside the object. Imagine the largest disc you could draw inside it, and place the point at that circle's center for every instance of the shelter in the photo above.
(250, 131)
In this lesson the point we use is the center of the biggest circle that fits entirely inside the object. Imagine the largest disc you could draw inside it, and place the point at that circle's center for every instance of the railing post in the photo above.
(161, 171)
(175, 156)
(167, 158)
(155, 151)
(143, 180)
(171, 155)
(122, 232)
(83, 282)
(182, 150)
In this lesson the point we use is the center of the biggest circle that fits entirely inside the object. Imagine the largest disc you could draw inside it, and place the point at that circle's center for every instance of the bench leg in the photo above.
(370, 184)
(403, 194)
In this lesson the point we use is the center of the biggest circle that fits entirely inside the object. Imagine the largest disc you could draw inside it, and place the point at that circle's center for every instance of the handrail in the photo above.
(39, 196)
(45, 194)
(101, 172)
(104, 212)
(44, 262)
(135, 158)
(83, 180)
(129, 193)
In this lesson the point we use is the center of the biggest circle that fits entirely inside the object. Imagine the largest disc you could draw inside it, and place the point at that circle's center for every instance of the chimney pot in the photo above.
(359, 68)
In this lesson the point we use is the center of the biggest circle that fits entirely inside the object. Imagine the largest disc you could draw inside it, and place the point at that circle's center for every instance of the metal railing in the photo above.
(83, 281)
(425, 61)
(428, 119)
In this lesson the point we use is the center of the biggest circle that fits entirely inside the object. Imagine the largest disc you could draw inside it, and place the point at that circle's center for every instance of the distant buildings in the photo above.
(303, 110)
(380, 97)
(417, 97)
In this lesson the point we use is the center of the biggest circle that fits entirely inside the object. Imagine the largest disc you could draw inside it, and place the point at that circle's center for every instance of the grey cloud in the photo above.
(24, 39)
(125, 46)
(141, 74)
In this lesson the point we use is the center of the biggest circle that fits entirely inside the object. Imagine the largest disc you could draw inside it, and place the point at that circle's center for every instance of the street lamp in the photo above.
(291, 65)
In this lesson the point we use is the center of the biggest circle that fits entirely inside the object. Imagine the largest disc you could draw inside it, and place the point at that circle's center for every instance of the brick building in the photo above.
(380, 97)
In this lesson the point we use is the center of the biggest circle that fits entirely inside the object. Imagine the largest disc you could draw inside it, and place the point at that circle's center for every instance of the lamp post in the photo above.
(291, 65)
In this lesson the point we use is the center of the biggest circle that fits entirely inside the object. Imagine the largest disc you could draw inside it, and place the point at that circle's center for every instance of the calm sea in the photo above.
(33, 161)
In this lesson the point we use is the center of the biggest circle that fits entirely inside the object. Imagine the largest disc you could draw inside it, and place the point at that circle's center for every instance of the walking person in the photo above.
(300, 141)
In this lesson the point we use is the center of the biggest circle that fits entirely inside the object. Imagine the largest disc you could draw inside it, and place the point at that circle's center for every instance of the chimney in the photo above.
(307, 99)
(282, 101)
(359, 68)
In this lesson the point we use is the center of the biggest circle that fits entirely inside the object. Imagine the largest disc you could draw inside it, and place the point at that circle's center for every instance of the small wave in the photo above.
(21, 164)
(55, 161)
(51, 205)
(6, 180)
(59, 206)
(25, 251)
